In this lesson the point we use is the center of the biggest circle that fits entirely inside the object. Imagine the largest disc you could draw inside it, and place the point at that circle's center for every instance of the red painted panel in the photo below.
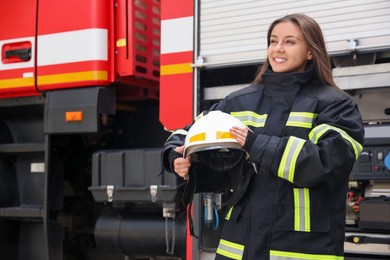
(72, 67)
(188, 235)
(137, 36)
(176, 100)
(175, 9)
(17, 39)
(57, 16)
(17, 18)
(176, 58)
(19, 92)
(13, 74)
(56, 72)
(60, 16)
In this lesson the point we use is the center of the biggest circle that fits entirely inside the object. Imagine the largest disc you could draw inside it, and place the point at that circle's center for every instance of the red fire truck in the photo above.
(79, 88)
(90, 90)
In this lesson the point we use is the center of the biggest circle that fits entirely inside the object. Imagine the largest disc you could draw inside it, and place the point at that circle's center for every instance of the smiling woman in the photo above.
(302, 136)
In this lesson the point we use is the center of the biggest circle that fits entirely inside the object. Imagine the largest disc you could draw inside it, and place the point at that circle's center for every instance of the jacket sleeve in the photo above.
(176, 139)
(168, 153)
(329, 152)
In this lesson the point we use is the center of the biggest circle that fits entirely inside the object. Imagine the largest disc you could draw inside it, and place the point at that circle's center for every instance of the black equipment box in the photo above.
(131, 176)
(375, 214)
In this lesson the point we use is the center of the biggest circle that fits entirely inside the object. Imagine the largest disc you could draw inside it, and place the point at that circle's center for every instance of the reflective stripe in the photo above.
(301, 119)
(198, 137)
(230, 250)
(289, 158)
(228, 215)
(178, 132)
(301, 210)
(199, 116)
(218, 135)
(72, 77)
(250, 118)
(224, 135)
(283, 255)
(320, 130)
(175, 69)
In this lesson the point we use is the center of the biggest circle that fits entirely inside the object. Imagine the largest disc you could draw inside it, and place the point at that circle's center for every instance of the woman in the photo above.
(303, 135)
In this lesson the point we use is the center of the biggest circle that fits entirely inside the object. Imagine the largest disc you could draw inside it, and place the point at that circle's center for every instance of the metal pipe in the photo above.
(140, 233)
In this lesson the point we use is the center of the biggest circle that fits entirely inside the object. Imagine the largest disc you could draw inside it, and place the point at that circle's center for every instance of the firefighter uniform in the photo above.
(306, 137)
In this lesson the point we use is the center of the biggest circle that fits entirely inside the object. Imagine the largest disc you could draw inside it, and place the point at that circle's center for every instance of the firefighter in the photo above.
(303, 134)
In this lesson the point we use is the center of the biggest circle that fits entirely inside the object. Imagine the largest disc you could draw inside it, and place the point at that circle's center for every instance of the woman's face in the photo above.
(288, 51)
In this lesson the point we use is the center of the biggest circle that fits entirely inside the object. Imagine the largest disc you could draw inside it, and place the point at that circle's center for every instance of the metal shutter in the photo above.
(234, 32)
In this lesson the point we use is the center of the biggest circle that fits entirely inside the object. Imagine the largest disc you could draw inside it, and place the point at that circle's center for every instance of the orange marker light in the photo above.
(74, 116)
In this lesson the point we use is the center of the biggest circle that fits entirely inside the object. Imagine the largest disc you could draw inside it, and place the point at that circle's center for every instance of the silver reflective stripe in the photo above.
(284, 255)
(289, 158)
(320, 130)
(250, 118)
(301, 119)
(301, 210)
(230, 250)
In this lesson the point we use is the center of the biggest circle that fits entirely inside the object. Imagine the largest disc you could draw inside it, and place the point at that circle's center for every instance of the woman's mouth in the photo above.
(280, 60)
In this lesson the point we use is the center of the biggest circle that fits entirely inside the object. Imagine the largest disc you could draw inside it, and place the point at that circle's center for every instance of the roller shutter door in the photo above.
(234, 32)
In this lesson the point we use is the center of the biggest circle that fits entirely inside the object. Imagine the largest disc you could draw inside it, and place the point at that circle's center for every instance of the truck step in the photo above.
(21, 212)
(21, 148)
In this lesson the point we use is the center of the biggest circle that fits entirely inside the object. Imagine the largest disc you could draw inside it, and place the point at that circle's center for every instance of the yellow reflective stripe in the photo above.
(283, 255)
(198, 137)
(301, 209)
(320, 130)
(199, 116)
(307, 209)
(224, 135)
(73, 77)
(296, 209)
(250, 118)
(301, 119)
(175, 69)
(55, 79)
(317, 132)
(287, 164)
(228, 215)
(230, 250)
(178, 132)
(16, 83)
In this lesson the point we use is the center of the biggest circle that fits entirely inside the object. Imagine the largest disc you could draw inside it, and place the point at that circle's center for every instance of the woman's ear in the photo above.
(309, 56)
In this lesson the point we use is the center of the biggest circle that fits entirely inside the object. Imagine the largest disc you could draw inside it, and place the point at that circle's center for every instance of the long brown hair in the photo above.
(315, 41)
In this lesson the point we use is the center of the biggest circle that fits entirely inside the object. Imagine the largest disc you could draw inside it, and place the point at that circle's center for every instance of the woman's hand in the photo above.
(182, 165)
(240, 133)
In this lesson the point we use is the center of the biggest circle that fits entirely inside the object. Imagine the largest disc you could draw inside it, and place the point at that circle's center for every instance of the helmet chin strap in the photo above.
(214, 171)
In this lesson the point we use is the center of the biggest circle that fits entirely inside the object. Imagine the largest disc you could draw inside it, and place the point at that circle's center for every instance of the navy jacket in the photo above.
(306, 138)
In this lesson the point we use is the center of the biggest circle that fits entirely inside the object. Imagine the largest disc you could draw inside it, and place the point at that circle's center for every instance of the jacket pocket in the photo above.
(301, 217)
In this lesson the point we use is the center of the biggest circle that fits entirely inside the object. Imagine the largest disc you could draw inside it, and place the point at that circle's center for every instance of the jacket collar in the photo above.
(287, 82)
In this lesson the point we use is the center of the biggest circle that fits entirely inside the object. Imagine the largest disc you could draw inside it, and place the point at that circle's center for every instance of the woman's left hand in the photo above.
(240, 133)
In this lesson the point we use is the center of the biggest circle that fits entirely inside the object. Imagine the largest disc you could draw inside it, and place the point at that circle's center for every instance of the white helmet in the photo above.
(212, 131)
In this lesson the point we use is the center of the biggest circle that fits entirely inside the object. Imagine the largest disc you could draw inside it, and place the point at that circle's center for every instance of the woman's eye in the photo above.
(290, 42)
(273, 41)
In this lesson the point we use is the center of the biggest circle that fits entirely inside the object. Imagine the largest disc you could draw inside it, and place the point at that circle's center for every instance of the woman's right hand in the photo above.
(182, 165)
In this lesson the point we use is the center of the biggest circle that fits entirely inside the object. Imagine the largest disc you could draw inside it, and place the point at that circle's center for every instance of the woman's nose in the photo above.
(279, 48)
